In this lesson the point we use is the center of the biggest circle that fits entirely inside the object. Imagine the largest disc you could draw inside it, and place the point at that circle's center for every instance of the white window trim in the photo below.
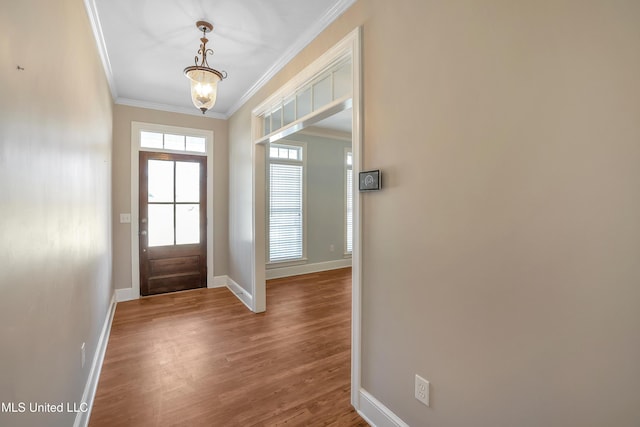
(304, 259)
(136, 128)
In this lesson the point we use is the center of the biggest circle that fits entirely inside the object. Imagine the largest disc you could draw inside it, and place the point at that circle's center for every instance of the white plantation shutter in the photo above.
(285, 211)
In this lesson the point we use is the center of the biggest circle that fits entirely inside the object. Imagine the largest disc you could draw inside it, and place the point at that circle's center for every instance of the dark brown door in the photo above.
(173, 222)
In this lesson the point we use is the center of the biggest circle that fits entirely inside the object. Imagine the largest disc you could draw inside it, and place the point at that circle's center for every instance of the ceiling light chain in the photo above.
(204, 80)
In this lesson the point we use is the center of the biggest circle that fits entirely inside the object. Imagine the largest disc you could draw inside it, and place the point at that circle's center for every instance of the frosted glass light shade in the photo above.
(204, 86)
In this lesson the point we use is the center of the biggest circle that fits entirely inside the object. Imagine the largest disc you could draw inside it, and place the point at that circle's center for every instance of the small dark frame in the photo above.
(370, 180)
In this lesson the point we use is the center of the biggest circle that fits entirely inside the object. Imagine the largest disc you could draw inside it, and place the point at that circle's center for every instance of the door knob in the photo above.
(143, 233)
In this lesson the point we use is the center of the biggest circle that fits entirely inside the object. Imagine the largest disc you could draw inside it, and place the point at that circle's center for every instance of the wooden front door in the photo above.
(173, 222)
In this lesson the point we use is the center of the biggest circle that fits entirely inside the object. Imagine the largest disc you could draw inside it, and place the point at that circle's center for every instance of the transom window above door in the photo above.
(329, 89)
(172, 142)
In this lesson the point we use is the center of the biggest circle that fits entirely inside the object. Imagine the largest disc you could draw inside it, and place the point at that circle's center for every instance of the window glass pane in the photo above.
(342, 81)
(196, 144)
(187, 182)
(174, 142)
(322, 93)
(267, 124)
(187, 224)
(303, 103)
(276, 119)
(160, 181)
(289, 111)
(160, 225)
(349, 159)
(286, 152)
(150, 140)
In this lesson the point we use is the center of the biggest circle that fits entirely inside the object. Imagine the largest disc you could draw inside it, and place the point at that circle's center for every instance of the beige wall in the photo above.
(500, 261)
(123, 116)
(55, 205)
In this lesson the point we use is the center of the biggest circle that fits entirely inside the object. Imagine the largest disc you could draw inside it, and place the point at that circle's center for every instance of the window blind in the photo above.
(285, 212)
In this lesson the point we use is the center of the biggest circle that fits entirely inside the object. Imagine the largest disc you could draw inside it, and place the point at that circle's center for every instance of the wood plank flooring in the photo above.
(200, 358)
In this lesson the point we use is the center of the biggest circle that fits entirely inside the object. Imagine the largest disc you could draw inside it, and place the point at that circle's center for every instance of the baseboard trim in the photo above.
(239, 292)
(376, 414)
(218, 282)
(82, 418)
(276, 273)
(125, 294)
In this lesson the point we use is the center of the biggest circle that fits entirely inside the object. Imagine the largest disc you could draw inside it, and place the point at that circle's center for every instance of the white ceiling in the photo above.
(147, 44)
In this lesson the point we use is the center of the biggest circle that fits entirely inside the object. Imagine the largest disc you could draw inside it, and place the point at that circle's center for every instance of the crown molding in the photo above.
(169, 108)
(303, 41)
(94, 19)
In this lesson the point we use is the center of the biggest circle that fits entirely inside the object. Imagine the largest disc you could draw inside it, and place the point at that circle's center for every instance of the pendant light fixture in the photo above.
(204, 80)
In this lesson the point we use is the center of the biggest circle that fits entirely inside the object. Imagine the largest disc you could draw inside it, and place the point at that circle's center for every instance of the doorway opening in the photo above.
(171, 209)
(173, 226)
(309, 199)
(330, 91)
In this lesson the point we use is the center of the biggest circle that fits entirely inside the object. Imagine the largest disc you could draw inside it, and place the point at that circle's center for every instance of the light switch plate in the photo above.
(125, 218)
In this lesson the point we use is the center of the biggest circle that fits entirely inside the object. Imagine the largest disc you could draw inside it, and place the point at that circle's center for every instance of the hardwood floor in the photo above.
(200, 358)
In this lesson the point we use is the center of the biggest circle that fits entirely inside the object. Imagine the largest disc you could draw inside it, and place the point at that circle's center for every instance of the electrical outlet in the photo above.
(422, 390)
(82, 354)
(332, 248)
